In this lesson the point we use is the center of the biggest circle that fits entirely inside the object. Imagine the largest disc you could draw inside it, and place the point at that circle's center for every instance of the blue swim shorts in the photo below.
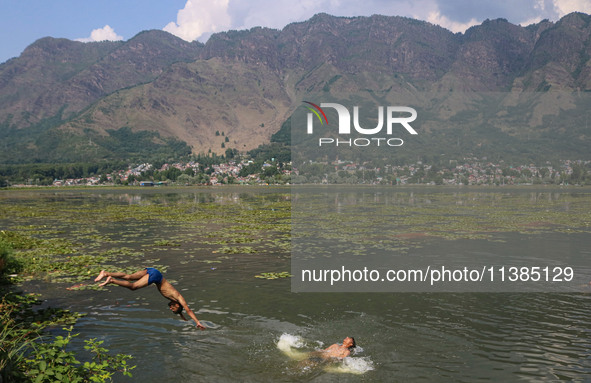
(155, 276)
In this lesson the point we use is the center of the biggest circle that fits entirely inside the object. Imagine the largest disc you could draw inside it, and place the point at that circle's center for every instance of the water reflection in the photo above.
(346, 196)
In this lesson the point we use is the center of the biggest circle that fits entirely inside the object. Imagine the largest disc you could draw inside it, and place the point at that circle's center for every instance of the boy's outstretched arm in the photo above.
(183, 303)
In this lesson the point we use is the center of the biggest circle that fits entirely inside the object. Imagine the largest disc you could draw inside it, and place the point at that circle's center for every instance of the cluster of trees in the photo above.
(276, 155)
(190, 176)
(580, 175)
(45, 174)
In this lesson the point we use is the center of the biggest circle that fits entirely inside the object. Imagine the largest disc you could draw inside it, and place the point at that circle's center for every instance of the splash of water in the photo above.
(289, 345)
(352, 365)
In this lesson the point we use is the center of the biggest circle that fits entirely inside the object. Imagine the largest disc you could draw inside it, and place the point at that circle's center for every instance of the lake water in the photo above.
(217, 245)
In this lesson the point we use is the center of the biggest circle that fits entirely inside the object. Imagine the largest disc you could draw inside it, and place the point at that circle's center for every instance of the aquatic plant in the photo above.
(28, 354)
(166, 243)
(66, 242)
(69, 242)
(51, 362)
(274, 275)
(4, 250)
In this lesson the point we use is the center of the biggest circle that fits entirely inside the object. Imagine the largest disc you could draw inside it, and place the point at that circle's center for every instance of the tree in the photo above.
(270, 171)
(231, 153)
(543, 172)
(578, 174)
(185, 179)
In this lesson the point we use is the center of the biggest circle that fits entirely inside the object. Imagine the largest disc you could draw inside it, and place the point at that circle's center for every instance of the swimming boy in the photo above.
(145, 278)
(336, 351)
(339, 351)
(329, 354)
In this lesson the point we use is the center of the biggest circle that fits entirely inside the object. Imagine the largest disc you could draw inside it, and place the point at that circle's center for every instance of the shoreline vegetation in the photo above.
(274, 172)
(32, 347)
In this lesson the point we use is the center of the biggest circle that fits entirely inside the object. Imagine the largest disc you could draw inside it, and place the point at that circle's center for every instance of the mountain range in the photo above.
(158, 95)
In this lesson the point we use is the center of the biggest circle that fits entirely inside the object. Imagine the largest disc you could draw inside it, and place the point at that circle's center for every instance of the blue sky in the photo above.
(24, 21)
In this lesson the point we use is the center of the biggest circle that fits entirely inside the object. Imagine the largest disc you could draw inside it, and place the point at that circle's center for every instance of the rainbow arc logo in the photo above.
(319, 109)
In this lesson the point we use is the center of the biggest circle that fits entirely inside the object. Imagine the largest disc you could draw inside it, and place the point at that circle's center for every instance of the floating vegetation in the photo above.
(85, 286)
(166, 243)
(283, 274)
(68, 238)
(236, 250)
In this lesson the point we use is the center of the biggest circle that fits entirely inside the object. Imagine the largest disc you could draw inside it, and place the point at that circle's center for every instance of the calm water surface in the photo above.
(402, 336)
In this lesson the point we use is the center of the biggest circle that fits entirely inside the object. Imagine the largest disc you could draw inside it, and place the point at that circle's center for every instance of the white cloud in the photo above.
(564, 7)
(279, 13)
(435, 17)
(539, 5)
(105, 33)
(199, 19)
(533, 20)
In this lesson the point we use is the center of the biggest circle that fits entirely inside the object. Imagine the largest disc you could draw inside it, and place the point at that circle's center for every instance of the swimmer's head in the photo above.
(175, 307)
(349, 342)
